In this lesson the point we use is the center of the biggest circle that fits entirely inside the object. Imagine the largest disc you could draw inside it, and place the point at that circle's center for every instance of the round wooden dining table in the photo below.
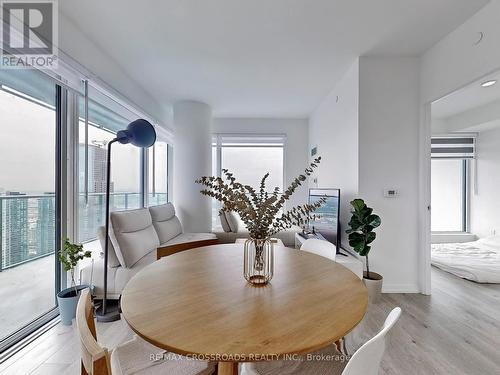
(197, 303)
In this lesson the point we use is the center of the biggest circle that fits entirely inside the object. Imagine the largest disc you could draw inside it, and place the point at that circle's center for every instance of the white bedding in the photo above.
(478, 261)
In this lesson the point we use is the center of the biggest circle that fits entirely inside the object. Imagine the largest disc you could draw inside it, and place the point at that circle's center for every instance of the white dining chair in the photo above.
(365, 361)
(320, 247)
(135, 356)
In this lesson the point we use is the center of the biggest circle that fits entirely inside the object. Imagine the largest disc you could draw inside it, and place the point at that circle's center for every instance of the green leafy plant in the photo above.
(69, 256)
(258, 208)
(361, 234)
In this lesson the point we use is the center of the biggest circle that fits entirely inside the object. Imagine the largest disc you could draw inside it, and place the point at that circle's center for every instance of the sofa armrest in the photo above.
(177, 248)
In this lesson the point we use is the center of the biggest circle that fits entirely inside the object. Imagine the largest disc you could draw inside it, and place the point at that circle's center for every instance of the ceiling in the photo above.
(256, 58)
(470, 97)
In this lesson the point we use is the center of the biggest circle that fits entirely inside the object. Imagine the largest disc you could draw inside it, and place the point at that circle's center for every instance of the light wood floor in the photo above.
(454, 331)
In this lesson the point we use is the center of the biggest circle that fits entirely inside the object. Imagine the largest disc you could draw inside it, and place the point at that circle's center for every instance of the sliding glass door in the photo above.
(53, 149)
(28, 205)
(126, 172)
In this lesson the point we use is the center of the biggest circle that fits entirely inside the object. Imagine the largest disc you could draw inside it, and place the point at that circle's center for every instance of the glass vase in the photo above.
(258, 267)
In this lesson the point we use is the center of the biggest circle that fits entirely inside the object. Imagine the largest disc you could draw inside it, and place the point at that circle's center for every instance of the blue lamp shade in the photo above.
(139, 132)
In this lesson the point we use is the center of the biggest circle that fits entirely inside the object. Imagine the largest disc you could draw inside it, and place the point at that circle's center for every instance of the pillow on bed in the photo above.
(491, 241)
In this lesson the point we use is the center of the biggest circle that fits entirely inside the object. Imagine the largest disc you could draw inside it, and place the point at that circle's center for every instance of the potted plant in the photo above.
(67, 299)
(261, 211)
(361, 235)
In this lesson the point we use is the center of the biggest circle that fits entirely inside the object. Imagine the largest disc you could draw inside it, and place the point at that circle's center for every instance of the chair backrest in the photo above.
(133, 235)
(367, 359)
(166, 224)
(95, 359)
(320, 247)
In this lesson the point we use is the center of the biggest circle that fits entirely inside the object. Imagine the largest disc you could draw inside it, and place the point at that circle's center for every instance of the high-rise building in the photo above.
(97, 160)
(14, 229)
(92, 214)
(45, 228)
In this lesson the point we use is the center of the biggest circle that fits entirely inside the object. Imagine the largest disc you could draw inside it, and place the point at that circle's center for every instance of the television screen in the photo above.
(328, 222)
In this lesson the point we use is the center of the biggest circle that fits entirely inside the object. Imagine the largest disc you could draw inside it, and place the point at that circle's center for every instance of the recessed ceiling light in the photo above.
(489, 83)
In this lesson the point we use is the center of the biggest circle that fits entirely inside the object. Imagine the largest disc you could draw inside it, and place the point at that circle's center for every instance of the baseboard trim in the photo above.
(400, 288)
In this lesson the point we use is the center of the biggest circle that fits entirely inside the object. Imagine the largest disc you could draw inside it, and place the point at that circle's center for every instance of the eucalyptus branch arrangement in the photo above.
(69, 257)
(259, 210)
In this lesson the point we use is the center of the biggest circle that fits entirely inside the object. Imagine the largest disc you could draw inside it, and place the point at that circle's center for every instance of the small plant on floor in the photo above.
(361, 234)
(69, 256)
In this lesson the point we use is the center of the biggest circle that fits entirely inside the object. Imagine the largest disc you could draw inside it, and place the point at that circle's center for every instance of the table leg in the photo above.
(227, 368)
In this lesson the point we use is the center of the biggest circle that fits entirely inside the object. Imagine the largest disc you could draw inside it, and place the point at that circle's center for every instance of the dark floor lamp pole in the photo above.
(139, 133)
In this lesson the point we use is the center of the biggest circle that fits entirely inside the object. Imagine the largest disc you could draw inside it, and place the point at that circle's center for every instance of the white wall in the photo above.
(451, 64)
(192, 153)
(296, 154)
(485, 204)
(369, 140)
(389, 158)
(333, 128)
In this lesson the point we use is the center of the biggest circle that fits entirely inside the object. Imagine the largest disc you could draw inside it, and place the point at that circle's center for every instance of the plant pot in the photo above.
(67, 301)
(374, 286)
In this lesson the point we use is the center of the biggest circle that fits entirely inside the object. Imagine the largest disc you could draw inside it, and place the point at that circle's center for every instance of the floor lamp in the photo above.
(139, 133)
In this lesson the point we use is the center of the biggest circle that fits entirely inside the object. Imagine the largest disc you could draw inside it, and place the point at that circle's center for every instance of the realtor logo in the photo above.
(29, 34)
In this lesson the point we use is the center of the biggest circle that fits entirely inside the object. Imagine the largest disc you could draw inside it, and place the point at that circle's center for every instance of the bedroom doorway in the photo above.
(465, 175)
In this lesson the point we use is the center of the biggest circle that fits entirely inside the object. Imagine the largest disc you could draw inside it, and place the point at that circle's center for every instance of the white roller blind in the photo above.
(249, 140)
(453, 146)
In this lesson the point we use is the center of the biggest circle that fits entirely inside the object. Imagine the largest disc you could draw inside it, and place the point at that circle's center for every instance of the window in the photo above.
(158, 173)
(126, 175)
(249, 157)
(29, 125)
(53, 184)
(449, 195)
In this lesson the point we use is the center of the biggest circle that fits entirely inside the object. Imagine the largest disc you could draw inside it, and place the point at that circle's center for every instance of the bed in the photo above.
(478, 261)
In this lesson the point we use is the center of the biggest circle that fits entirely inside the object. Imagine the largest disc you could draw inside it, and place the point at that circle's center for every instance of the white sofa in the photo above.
(136, 237)
(232, 228)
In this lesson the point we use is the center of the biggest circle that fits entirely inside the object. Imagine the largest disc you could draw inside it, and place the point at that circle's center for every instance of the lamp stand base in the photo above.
(112, 311)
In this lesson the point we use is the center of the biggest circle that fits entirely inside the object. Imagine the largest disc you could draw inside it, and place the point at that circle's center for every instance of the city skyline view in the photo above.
(29, 125)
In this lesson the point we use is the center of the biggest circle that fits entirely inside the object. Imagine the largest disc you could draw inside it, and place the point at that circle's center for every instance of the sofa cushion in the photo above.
(190, 237)
(223, 222)
(166, 224)
(287, 236)
(232, 220)
(118, 277)
(133, 235)
(162, 212)
(112, 258)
